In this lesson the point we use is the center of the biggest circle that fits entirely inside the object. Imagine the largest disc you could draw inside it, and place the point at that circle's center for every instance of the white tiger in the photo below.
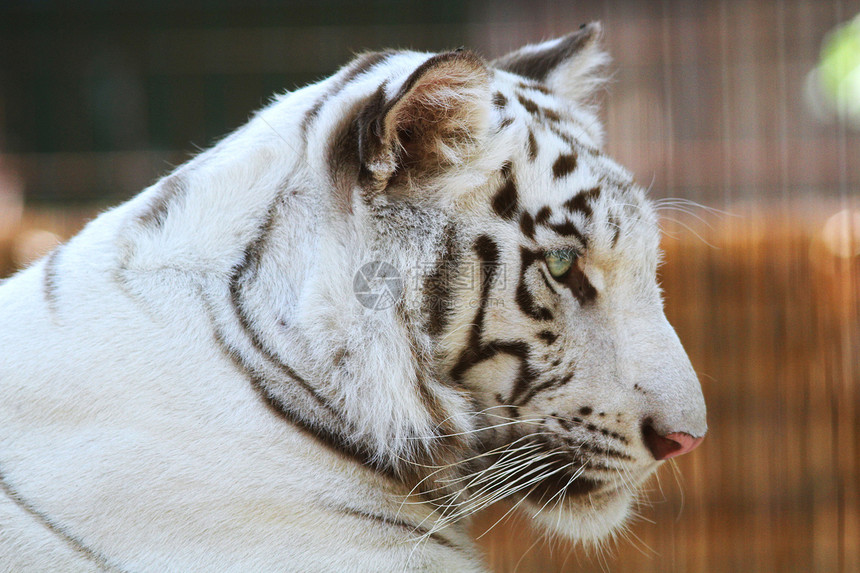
(193, 384)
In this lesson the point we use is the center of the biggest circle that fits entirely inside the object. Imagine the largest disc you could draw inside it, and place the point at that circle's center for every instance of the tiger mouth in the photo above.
(563, 486)
(571, 491)
(567, 478)
(567, 470)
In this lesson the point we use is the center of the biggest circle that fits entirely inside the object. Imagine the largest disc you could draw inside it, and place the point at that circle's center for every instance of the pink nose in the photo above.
(670, 445)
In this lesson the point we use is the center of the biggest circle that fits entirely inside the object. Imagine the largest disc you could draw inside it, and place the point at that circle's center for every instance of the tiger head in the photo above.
(514, 345)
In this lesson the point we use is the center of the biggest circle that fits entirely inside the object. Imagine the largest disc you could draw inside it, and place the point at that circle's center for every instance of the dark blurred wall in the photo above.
(96, 98)
(707, 99)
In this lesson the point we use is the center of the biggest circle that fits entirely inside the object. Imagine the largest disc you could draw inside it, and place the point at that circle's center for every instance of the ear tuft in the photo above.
(433, 122)
(571, 66)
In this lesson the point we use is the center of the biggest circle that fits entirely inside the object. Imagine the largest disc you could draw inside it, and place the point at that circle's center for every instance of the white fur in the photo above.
(131, 440)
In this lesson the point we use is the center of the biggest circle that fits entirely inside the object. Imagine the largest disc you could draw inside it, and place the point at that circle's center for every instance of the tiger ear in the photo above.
(570, 66)
(435, 121)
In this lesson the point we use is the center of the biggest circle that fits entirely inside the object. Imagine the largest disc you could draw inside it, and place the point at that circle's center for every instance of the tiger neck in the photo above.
(275, 264)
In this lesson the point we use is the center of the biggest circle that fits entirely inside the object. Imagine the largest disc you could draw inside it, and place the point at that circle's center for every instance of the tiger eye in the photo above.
(559, 262)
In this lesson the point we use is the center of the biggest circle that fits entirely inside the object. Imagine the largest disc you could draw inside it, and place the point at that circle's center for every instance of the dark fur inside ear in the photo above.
(432, 123)
(536, 62)
(567, 65)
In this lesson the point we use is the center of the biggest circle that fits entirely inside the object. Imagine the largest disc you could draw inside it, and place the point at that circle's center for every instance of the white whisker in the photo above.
(507, 513)
(476, 430)
(691, 230)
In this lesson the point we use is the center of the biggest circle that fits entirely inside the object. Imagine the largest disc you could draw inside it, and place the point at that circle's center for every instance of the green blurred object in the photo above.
(839, 70)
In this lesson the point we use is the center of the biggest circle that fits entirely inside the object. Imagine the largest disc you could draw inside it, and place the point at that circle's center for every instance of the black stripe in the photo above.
(550, 114)
(568, 229)
(446, 439)
(536, 87)
(499, 100)
(564, 165)
(523, 296)
(580, 203)
(533, 146)
(438, 285)
(369, 130)
(246, 271)
(410, 528)
(254, 251)
(616, 229)
(601, 451)
(543, 215)
(535, 390)
(547, 336)
(568, 425)
(505, 202)
(577, 421)
(548, 385)
(579, 285)
(335, 443)
(526, 375)
(73, 542)
(359, 66)
(527, 225)
(530, 105)
(488, 252)
(50, 281)
(579, 147)
(538, 111)
(338, 442)
(566, 137)
(345, 147)
(167, 191)
(546, 281)
(476, 351)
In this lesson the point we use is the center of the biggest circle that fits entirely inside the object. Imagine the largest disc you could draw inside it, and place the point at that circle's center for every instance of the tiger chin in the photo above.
(391, 299)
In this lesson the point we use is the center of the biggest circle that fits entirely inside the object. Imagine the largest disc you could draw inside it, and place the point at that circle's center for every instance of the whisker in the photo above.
(486, 496)
(535, 422)
(507, 513)
(477, 474)
(440, 469)
(691, 230)
(518, 484)
(673, 201)
(510, 456)
(526, 552)
(679, 479)
(560, 493)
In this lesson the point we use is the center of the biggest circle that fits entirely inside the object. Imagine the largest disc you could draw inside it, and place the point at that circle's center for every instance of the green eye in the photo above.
(559, 262)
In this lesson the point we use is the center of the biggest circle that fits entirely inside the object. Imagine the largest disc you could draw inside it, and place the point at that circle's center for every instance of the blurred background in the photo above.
(742, 116)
